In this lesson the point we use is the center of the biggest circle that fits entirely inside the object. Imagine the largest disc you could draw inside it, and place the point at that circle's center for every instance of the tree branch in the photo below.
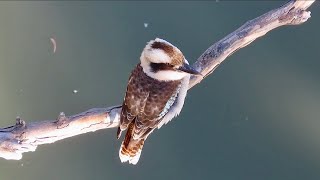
(23, 137)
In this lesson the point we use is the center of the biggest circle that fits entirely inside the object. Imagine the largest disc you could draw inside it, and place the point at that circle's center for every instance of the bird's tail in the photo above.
(130, 149)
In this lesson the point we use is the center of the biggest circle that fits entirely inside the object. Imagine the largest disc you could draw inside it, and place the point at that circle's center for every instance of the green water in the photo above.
(256, 117)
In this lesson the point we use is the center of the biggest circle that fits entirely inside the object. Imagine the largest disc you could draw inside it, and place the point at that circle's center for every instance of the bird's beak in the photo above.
(188, 69)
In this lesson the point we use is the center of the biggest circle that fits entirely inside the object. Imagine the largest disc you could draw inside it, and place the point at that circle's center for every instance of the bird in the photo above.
(155, 94)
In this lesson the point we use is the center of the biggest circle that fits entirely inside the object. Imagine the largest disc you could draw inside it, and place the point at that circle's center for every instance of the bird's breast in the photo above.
(161, 95)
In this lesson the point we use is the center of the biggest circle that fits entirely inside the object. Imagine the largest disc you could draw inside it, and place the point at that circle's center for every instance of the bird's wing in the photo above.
(161, 98)
(134, 100)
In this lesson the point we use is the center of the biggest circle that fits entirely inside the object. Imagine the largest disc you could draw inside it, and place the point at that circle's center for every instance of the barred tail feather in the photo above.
(130, 149)
(131, 152)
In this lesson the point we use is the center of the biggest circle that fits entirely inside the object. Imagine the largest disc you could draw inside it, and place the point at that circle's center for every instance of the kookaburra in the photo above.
(155, 94)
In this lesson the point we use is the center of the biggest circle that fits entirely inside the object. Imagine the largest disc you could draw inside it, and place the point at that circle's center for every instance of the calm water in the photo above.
(256, 117)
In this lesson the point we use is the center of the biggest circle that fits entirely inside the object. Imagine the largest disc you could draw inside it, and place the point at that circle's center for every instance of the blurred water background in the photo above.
(256, 117)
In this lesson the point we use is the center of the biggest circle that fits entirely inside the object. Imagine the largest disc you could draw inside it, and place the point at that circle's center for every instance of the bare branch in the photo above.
(23, 137)
(292, 13)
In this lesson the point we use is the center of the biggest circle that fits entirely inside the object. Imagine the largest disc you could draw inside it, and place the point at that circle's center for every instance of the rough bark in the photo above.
(23, 137)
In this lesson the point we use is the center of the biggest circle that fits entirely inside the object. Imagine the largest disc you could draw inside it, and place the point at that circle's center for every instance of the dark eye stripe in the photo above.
(155, 67)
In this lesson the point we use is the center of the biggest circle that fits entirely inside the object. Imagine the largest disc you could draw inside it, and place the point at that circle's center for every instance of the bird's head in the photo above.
(163, 61)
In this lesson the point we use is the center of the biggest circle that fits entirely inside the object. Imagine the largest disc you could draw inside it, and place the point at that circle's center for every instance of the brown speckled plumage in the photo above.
(129, 145)
(145, 99)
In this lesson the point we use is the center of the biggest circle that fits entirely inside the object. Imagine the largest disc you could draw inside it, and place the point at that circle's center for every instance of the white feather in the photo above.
(123, 157)
(178, 104)
(132, 160)
(157, 56)
(165, 75)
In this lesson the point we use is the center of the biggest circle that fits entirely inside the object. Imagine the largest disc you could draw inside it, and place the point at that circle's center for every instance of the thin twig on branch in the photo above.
(23, 137)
